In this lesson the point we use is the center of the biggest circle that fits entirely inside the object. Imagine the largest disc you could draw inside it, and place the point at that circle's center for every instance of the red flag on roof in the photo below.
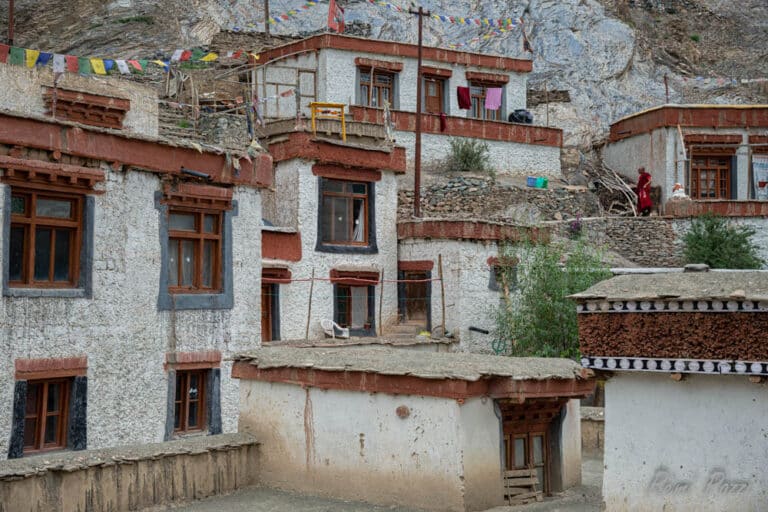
(335, 17)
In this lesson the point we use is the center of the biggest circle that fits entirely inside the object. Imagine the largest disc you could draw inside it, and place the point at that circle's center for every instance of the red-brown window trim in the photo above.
(706, 138)
(50, 368)
(328, 235)
(192, 360)
(199, 237)
(437, 72)
(337, 172)
(49, 176)
(197, 196)
(415, 265)
(202, 410)
(275, 275)
(42, 414)
(87, 108)
(355, 277)
(487, 78)
(383, 65)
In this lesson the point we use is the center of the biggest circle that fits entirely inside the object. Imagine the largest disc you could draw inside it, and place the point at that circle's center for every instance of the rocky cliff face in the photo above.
(610, 55)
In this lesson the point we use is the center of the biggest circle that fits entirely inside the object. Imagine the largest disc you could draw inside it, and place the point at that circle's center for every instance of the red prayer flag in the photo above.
(135, 64)
(4, 50)
(186, 55)
(237, 54)
(335, 17)
(73, 66)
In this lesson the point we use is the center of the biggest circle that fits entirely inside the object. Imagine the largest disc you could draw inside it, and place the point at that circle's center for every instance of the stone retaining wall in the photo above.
(130, 477)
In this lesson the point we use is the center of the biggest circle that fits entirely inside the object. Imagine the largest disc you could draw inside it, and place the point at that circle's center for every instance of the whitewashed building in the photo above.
(685, 394)
(435, 431)
(711, 150)
(128, 265)
(365, 74)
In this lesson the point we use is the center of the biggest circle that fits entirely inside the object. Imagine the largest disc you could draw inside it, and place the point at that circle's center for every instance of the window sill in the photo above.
(185, 301)
(346, 249)
(58, 293)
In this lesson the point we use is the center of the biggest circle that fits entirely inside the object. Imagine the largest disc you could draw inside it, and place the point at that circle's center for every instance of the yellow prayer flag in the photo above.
(211, 56)
(31, 57)
(97, 65)
(254, 55)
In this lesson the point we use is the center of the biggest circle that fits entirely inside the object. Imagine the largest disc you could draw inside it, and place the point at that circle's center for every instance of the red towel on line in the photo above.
(443, 122)
(465, 102)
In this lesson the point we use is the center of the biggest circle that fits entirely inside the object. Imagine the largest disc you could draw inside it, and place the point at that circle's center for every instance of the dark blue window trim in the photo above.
(84, 289)
(176, 301)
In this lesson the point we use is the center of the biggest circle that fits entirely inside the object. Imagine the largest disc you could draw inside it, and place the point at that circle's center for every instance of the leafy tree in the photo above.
(718, 243)
(541, 320)
(468, 155)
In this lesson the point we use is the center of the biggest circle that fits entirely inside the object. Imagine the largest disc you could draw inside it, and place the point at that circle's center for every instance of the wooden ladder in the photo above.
(521, 486)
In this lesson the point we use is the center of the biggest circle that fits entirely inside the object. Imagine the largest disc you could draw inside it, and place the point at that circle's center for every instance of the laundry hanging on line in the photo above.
(493, 98)
(465, 101)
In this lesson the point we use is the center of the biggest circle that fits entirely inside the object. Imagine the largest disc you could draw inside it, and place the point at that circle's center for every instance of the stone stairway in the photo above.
(177, 123)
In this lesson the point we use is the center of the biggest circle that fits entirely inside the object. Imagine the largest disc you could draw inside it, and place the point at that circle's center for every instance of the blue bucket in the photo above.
(531, 181)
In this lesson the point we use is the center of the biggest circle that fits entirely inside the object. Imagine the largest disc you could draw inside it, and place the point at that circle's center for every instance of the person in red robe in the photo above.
(644, 202)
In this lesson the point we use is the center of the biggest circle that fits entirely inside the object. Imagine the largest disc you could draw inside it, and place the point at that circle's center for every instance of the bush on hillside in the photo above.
(715, 241)
(468, 155)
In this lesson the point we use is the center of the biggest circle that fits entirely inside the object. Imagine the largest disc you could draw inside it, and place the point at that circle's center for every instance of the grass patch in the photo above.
(695, 38)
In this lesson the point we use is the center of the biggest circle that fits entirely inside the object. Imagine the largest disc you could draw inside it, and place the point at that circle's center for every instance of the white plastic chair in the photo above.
(334, 330)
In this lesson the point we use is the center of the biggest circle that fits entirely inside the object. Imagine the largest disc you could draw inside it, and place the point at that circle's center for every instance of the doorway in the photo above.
(433, 95)
(415, 298)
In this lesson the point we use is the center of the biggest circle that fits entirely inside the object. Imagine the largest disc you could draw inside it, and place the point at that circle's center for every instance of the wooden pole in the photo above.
(546, 99)
(309, 305)
(442, 287)
(381, 302)
(10, 22)
(266, 17)
(417, 147)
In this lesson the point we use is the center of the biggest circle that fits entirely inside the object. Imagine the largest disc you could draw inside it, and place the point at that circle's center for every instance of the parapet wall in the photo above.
(130, 477)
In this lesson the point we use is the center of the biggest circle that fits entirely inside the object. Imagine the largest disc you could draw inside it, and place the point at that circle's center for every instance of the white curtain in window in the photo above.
(359, 220)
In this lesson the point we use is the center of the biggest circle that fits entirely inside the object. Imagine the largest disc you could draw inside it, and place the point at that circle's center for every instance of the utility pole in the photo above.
(10, 22)
(417, 149)
(266, 17)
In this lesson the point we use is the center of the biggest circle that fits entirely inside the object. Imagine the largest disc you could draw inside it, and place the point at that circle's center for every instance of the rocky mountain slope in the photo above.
(610, 55)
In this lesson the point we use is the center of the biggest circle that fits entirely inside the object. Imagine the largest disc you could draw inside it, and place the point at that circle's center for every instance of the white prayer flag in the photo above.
(59, 63)
(177, 55)
(123, 67)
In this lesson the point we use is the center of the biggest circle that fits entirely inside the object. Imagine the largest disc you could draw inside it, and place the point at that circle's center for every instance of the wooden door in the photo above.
(433, 95)
(416, 302)
(266, 312)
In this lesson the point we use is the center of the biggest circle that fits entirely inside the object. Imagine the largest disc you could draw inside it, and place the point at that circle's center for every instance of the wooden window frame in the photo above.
(479, 111)
(39, 445)
(326, 237)
(30, 222)
(720, 180)
(441, 85)
(184, 401)
(199, 237)
(369, 289)
(366, 87)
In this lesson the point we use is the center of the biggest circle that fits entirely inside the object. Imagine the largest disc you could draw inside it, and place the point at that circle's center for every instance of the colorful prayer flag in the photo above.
(31, 57)
(210, 57)
(335, 17)
(72, 63)
(59, 63)
(4, 51)
(176, 57)
(186, 55)
(43, 59)
(137, 66)
(123, 67)
(109, 64)
(98, 66)
(84, 66)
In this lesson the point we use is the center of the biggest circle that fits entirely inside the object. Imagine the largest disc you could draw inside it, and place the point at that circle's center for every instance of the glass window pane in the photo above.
(538, 449)
(42, 253)
(179, 387)
(187, 262)
(192, 417)
(51, 429)
(359, 307)
(30, 426)
(16, 257)
(540, 475)
(342, 315)
(194, 386)
(333, 185)
(364, 95)
(18, 205)
(54, 398)
(359, 188)
(57, 208)
(358, 220)
(33, 395)
(208, 263)
(341, 220)
(173, 263)
(61, 256)
(520, 452)
(327, 219)
(211, 224)
(182, 221)
(177, 416)
(365, 77)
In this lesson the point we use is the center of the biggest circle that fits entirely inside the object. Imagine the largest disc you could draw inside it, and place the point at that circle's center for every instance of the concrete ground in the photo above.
(585, 498)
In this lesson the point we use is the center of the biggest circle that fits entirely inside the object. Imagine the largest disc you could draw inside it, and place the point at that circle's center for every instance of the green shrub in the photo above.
(695, 38)
(713, 240)
(468, 155)
(541, 321)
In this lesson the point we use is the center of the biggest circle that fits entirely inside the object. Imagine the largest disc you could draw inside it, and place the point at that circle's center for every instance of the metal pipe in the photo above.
(196, 174)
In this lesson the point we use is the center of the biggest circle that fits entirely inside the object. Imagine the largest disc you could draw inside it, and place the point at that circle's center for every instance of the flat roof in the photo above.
(721, 285)
(421, 364)
(395, 49)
